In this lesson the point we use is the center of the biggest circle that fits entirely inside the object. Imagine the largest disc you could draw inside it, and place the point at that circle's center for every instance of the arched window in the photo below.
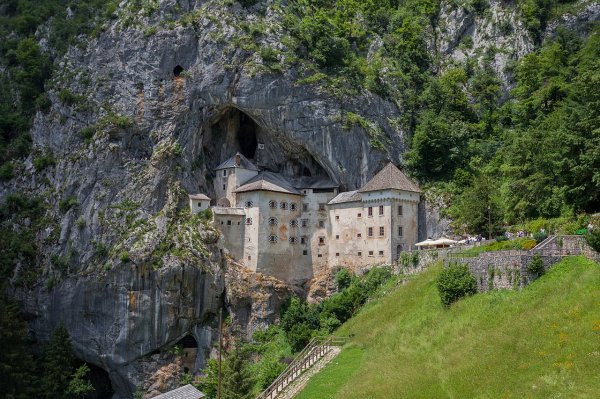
(272, 239)
(292, 240)
(272, 204)
(273, 221)
(292, 206)
(283, 205)
(248, 204)
(294, 223)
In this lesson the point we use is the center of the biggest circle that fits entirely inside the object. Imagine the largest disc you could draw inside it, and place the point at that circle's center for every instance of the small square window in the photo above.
(249, 257)
(400, 210)
(304, 222)
(337, 217)
(305, 252)
(283, 205)
(273, 204)
(337, 236)
(359, 253)
(302, 240)
(337, 254)
(321, 240)
(292, 206)
(370, 253)
(321, 223)
(380, 253)
(319, 255)
(321, 207)
(248, 220)
(248, 204)
(359, 215)
(358, 235)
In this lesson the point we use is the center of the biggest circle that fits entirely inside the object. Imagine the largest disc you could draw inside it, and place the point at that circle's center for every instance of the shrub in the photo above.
(501, 238)
(80, 223)
(343, 278)
(299, 336)
(124, 256)
(540, 236)
(593, 239)
(88, 132)
(536, 267)
(455, 282)
(43, 161)
(7, 171)
(67, 203)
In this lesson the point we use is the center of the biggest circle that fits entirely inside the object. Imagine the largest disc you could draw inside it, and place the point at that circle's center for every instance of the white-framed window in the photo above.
(283, 205)
(248, 204)
(294, 223)
(293, 240)
(381, 231)
(358, 235)
(370, 211)
(400, 210)
(380, 210)
(370, 232)
(400, 231)
(273, 221)
(248, 220)
(293, 206)
(229, 223)
(272, 204)
(273, 239)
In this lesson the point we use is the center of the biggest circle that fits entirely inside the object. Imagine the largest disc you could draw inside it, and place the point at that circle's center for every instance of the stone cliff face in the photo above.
(159, 103)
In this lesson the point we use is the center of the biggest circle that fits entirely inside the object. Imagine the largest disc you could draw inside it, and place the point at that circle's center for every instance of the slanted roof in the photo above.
(390, 177)
(312, 182)
(184, 392)
(268, 181)
(348, 196)
(199, 197)
(244, 163)
(221, 210)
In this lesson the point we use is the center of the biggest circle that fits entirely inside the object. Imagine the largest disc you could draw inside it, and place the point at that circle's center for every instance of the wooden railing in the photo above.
(315, 350)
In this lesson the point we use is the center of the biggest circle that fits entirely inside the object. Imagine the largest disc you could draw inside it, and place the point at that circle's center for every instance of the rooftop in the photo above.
(199, 197)
(390, 177)
(268, 181)
(184, 392)
(220, 210)
(237, 161)
(348, 196)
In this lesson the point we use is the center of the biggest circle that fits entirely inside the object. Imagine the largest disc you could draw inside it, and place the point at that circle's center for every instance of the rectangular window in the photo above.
(223, 187)
(381, 231)
(400, 210)
(337, 218)
(302, 240)
(370, 211)
(229, 223)
(248, 220)
(370, 253)
(305, 207)
(400, 231)
(305, 252)
(319, 255)
(304, 222)
(359, 235)
(337, 237)
(225, 172)
(380, 253)
(321, 223)
(249, 257)
(321, 240)
(337, 254)
(293, 206)
(370, 232)
(380, 210)
(321, 207)
(359, 215)
(359, 253)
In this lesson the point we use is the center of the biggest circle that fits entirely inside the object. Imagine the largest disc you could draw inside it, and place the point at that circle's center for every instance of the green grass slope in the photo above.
(541, 342)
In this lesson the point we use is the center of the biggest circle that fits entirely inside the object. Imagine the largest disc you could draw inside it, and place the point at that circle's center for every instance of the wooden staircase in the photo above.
(316, 349)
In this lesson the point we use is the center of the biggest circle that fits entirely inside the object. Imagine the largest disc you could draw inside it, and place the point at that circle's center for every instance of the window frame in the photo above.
(381, 231)
(273, 221)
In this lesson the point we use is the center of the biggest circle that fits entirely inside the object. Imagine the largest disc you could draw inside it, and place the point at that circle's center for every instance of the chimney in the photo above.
(238, 160)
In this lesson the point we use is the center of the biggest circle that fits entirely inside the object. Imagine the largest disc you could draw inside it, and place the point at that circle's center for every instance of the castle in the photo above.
(293, 228)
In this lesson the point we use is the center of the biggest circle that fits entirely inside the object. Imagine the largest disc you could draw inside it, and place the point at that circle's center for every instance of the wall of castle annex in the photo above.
(230, 223)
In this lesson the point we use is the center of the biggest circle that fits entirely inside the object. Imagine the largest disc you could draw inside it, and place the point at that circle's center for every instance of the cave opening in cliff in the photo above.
(177, 70)
(189, 347)
(100, 382)
(246, 136)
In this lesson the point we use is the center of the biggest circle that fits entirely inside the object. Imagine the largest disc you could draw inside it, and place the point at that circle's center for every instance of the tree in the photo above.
(80, 385)
(237, 381)
(57, 364)
(478, 208)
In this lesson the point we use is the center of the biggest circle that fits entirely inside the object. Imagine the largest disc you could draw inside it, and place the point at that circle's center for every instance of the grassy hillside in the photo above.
(543, 341)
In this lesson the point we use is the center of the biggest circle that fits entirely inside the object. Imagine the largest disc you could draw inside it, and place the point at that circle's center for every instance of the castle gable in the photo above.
(237, 161)
(390, 177)
(268, 181)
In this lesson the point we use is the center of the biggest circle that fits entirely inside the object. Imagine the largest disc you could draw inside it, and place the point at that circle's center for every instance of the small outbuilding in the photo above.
(198, 203)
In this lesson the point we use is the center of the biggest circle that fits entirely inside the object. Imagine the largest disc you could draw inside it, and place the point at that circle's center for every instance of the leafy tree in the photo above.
(455, 282)
(80, 385)
(343, 278)
(237, 381)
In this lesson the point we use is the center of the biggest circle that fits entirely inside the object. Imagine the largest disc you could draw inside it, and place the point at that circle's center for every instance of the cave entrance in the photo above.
(101, 382)
(189, 347)
(246, 136)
